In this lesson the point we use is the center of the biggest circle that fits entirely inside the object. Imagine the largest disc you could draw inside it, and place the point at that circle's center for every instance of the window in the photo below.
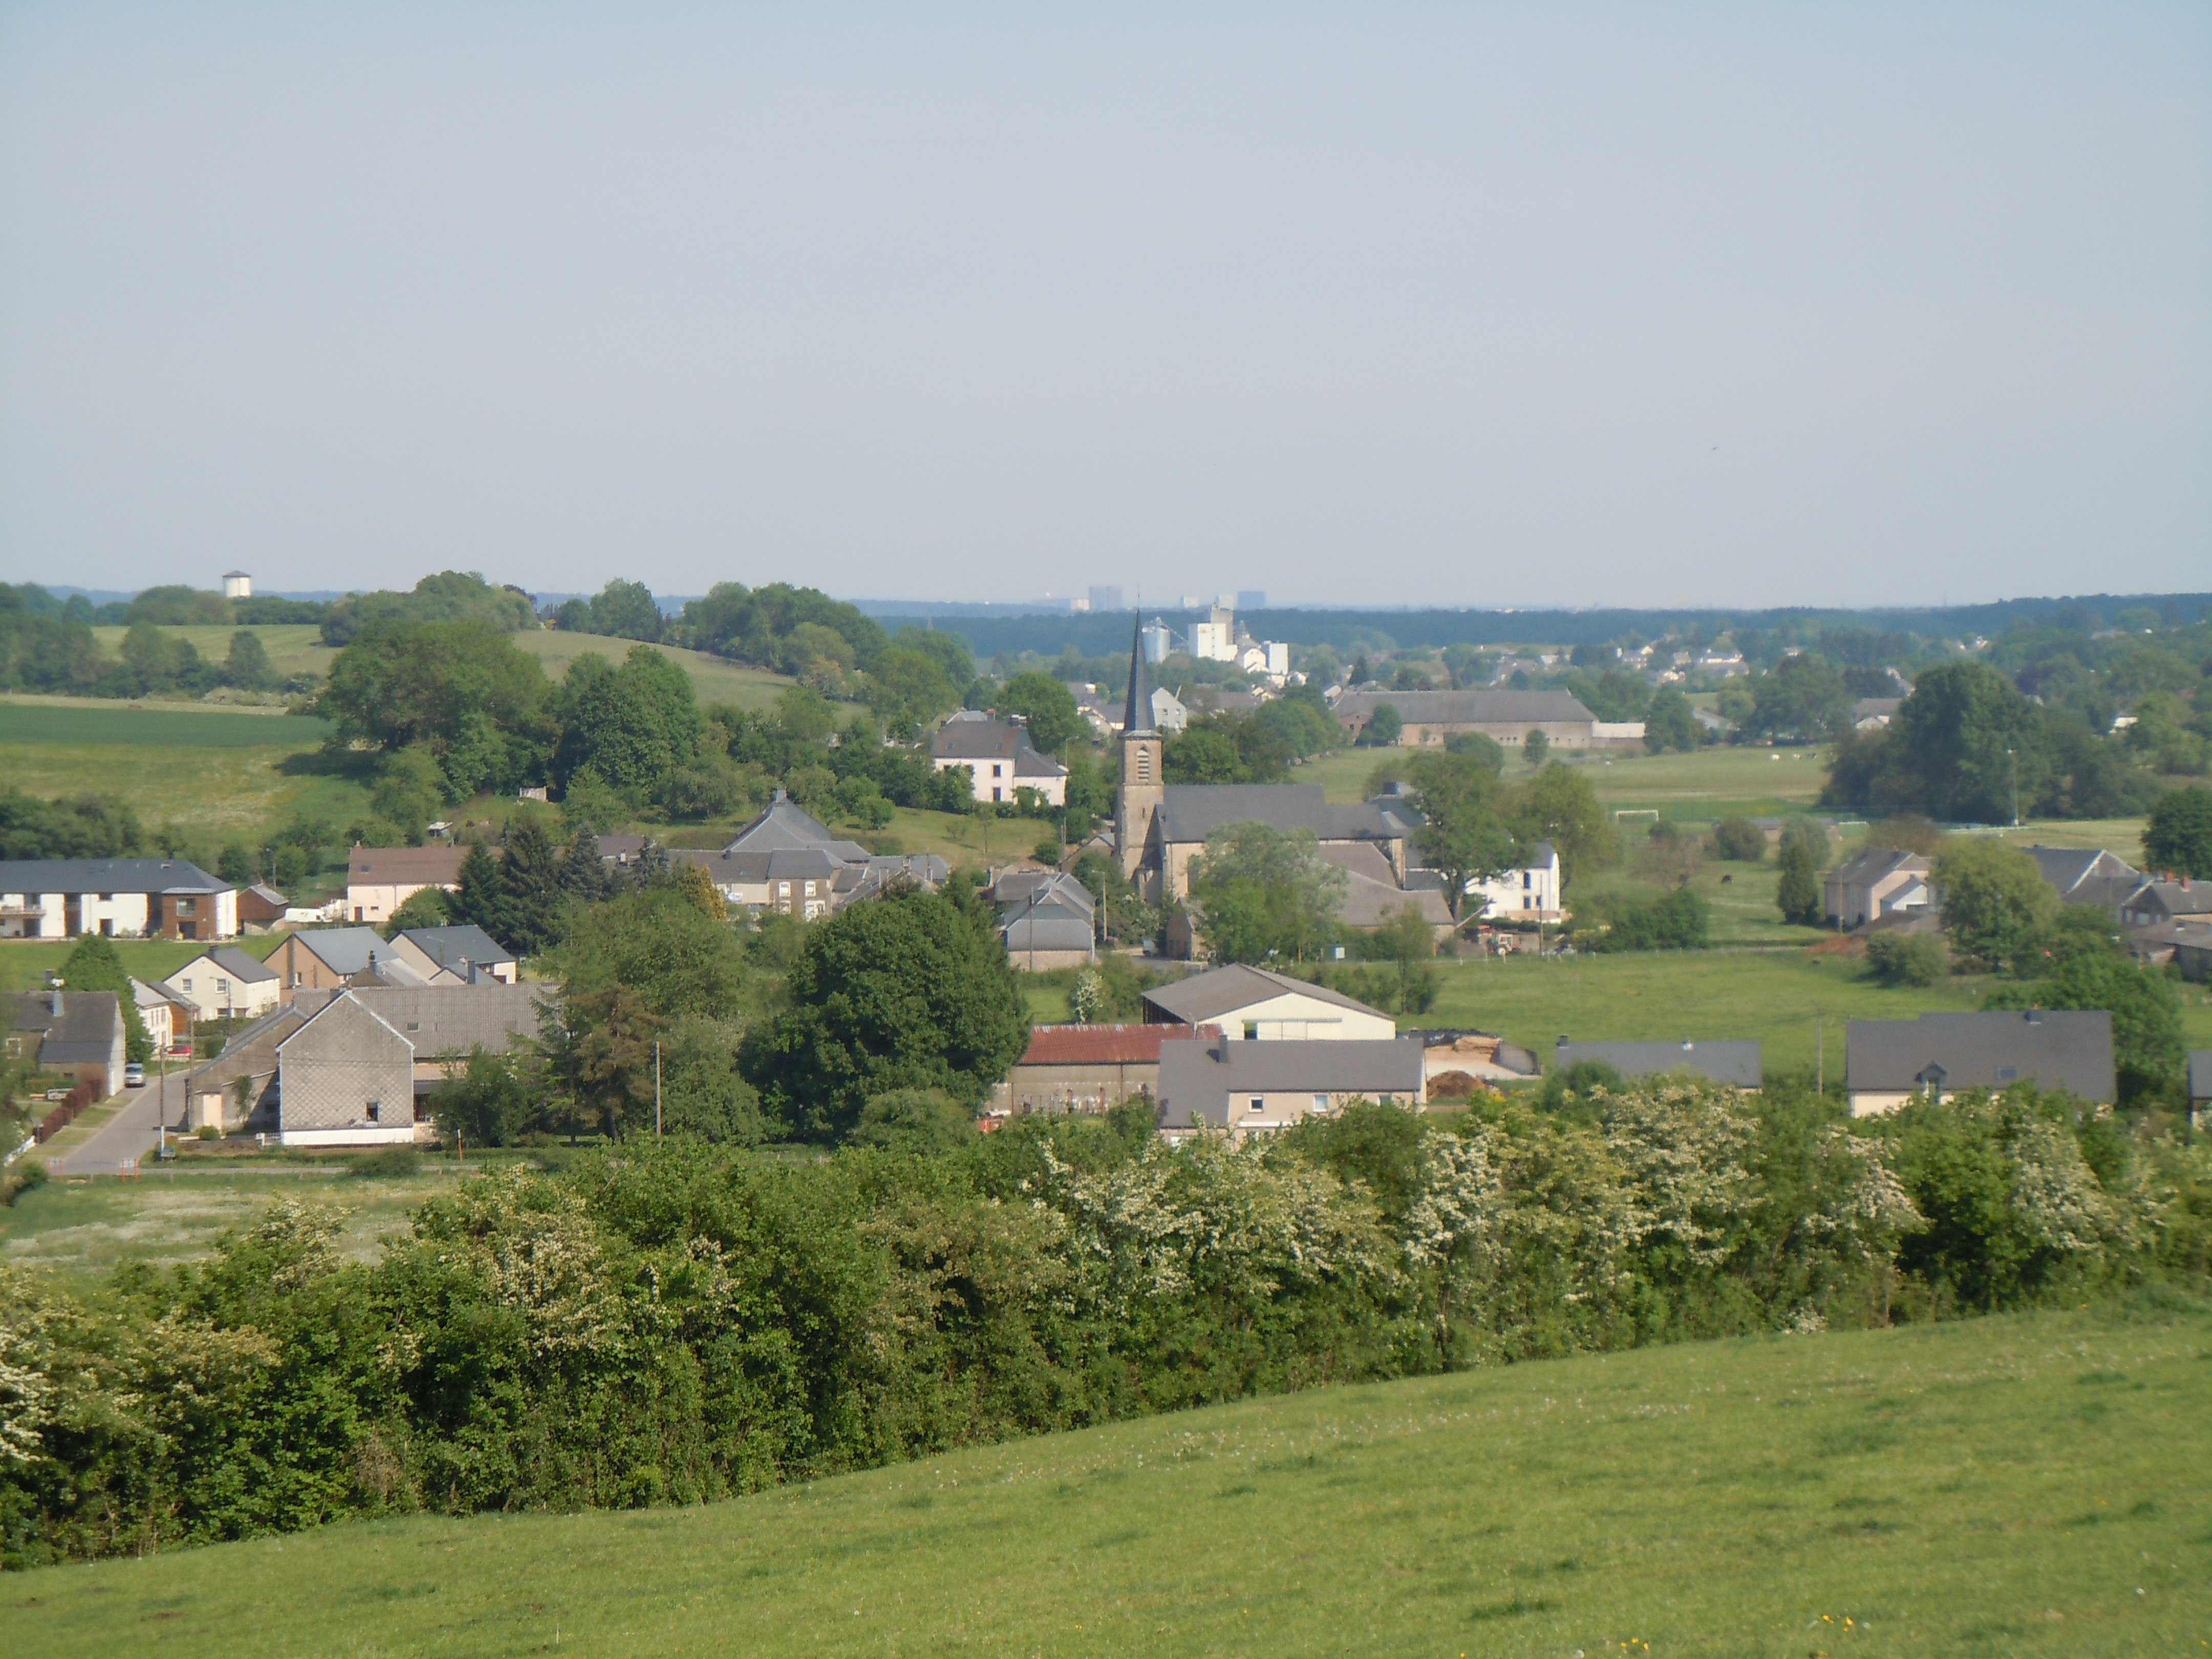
(809, 889)
(2008, 1073)
(375, 1106)
(783, 889)
(186, 986)
(1321, 1102)
(1251, 1031)
(222, 987)
(1258, 1104)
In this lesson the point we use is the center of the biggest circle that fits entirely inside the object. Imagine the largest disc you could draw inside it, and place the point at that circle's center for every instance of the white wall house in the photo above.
(1530, 893)
(1252, 1005)
(114, 898)
(227, 984)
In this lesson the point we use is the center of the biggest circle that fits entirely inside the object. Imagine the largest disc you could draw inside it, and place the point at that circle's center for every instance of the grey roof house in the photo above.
(1254, 1005)
(1218, 1086)
(458, 955)
(1000, 758)
(1047, 919)
(117, 898)
(1890, 1062)
(77, 1033)
(438, 1025)
(1430, 717)
(1733, 1065)
(1876, 881)
(789, 860)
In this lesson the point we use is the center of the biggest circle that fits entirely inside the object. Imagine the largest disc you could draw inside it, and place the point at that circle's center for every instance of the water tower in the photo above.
(237, 585)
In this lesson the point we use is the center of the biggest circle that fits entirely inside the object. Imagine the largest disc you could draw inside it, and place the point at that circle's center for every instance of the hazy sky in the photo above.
(1453, 304)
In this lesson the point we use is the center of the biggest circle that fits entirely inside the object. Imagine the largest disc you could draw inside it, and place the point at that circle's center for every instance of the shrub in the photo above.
(387, 1162)
(1898, 958)
(1738, 840)
(1681, 921)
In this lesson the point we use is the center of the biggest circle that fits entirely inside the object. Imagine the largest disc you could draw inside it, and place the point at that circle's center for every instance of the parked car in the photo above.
(57, 1094)
(134, 1076)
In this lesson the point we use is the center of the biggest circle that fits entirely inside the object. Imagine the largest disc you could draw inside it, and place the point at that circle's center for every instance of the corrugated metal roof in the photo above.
(1221, 990)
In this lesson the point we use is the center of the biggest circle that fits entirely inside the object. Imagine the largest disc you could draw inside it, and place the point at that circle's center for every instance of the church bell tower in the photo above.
(1141, 790)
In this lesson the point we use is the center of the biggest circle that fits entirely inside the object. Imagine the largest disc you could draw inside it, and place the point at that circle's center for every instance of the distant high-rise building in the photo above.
(1194, 602)
(1252, 599)
(1105, 598)
(237, 585)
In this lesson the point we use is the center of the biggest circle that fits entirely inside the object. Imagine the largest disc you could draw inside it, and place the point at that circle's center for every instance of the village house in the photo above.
(998, 757)
(77, 1034)
(788, 860)
(1733, 1065)
(1890, 1062)
(2082, 875)
(380, 880)
(1215, 1085)
(1047, 919)
(1874, 883)
(462, 955)
(1253, 1004)
(1528, 894)
(1090, 1068)
(260, 908)
(116, 898)
(168, 1018)
(332, 958)
(372, 1057)
(2161, 904)
(1505, 717)
(226, 983)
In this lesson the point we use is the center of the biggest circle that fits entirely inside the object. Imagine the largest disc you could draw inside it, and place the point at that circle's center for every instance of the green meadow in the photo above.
(25, 964)
(213, 773)
(84, 1229)
(2018, 1486)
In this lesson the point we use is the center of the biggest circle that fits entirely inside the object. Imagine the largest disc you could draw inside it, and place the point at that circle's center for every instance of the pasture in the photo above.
(85, 1229)
(215, 774)
(714, 679)
(2020, 1486)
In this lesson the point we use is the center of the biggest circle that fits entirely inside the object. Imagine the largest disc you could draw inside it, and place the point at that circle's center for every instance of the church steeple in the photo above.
(1137, 802)
(1137, 713)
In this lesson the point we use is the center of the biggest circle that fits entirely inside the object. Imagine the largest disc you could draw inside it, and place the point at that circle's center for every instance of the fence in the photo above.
(63, 1115)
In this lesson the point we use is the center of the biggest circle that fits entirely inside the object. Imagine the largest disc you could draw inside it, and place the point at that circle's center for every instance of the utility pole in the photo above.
(656, 1090)
(1820, 1053)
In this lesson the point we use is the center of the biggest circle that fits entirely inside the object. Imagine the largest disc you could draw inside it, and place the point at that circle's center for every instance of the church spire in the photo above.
(1137, 713)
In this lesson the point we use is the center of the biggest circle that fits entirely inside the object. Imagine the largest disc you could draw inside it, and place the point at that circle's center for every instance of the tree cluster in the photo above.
(673, 1325)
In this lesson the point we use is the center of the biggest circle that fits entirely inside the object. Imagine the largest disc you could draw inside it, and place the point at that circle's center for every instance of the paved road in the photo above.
(132, 1133)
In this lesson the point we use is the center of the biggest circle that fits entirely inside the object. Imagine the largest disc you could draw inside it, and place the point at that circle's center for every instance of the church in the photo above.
(1160, 827)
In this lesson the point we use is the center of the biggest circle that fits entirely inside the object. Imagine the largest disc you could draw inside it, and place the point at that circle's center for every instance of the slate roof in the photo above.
(1050, 928)
(107, 876)
(2057, 1048)
(84, 1031)
(451, 947)
(348, 951)
(2158, 900)
(979, 740)
(442, 1021)
(781, 822)
(1737, 1065)
(1469, 708)
(229, 959)
(1219, 990)
(1198, 1080)
(2067, 867)
(1015, 887)
(1191, 811)
(1871, 864)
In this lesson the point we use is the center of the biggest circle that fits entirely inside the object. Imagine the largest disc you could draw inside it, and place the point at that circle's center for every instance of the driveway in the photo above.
(133, 1132)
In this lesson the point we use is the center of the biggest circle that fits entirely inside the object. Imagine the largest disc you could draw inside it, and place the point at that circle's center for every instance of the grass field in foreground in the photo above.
(2031, 1485)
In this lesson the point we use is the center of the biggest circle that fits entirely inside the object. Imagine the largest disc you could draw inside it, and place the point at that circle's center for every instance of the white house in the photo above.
(116, 898)
(226, 983)
(1215, 640)
(1530, 893)
(999, 756)
(1252, 1005)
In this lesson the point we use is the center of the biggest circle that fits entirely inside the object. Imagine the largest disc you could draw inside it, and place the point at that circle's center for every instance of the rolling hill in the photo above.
(2028, 1485)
